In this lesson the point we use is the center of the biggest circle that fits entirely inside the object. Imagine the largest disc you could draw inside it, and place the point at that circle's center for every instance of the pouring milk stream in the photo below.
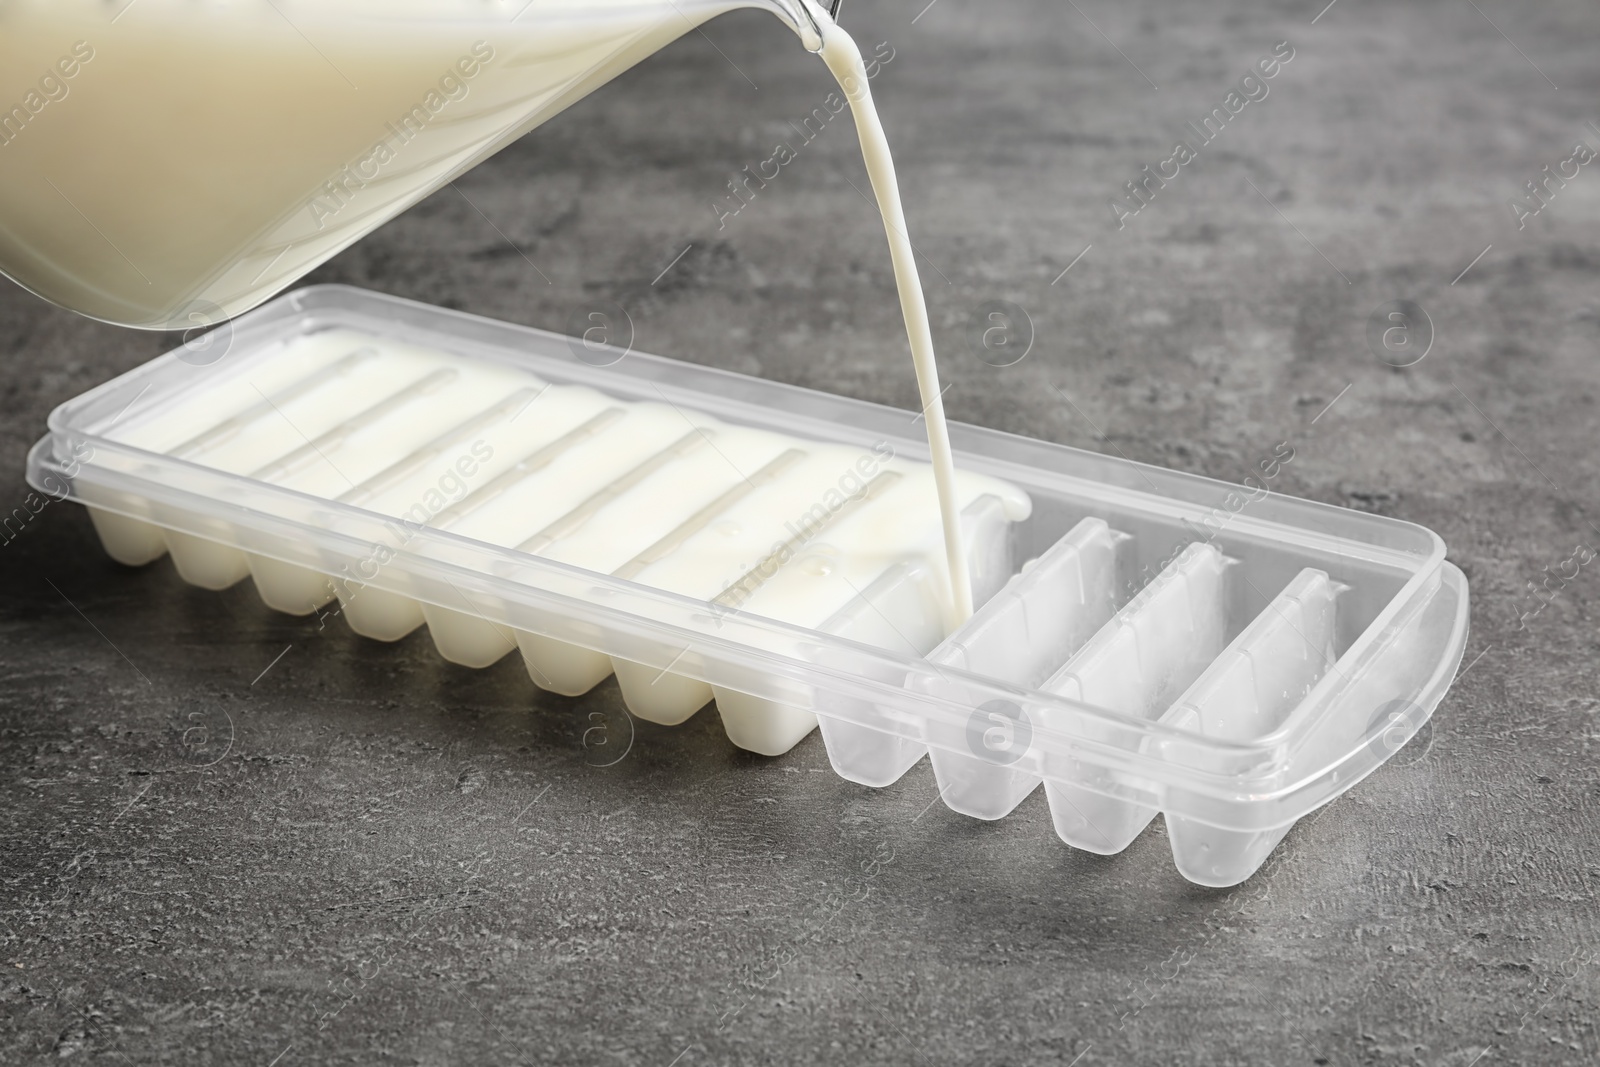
(171, 164)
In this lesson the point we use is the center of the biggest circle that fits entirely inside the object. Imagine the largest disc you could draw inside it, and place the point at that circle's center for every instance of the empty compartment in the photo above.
(1365, 707)
(1136, 665)
(1021, 636)
(859, 748)
(1263, 675)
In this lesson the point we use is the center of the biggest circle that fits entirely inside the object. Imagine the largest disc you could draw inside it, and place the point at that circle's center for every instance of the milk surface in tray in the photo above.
(1145, 641)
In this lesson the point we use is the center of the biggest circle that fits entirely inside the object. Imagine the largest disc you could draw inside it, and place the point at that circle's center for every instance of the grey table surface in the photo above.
(394, 859)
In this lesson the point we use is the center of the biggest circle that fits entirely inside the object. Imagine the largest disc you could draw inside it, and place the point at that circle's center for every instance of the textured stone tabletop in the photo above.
(231, 836)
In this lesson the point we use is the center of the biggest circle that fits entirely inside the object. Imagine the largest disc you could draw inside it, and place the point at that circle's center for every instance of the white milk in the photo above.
(839, 51)
(746, 518)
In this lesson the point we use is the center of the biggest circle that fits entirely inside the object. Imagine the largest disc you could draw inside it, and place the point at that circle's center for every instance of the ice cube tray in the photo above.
(1147, 641)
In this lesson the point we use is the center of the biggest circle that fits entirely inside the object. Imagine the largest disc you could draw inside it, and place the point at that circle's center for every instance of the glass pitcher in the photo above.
(167, 164)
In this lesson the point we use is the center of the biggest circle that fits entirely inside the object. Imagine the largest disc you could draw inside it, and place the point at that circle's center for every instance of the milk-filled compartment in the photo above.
(740, 518)
(1144, 641)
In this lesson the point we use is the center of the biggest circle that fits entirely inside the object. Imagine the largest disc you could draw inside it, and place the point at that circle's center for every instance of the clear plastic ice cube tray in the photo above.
(1147, 641)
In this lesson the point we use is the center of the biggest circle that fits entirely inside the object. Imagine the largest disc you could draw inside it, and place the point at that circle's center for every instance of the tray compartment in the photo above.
(1247, 693)
(130, 541)
(1136, 665)
(1021, 636)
